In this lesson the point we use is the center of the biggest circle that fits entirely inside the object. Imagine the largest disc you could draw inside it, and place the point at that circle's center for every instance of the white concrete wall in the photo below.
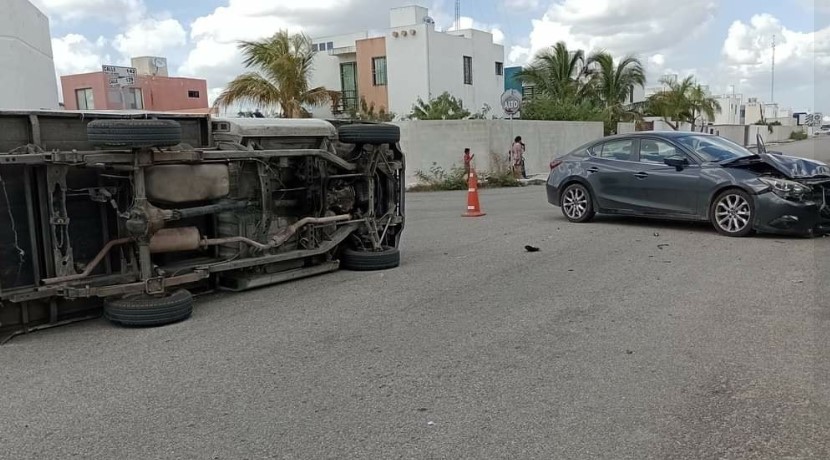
(27, 80)
(443, 142)
(626, 127)
(406, 67)
(407, 16)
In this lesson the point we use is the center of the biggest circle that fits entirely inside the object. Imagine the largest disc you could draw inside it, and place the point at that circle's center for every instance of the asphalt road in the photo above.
(619, 339)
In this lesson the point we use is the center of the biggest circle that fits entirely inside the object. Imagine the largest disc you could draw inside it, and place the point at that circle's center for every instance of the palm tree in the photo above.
(683, 101)
(611, 84)
(701, 104)
(557, 73)
(672, 103)
(280, 77)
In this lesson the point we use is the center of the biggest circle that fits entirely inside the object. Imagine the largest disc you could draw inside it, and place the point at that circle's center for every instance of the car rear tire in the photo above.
(362, 261)
(577, 203)
(149, 311)
(732, 213)
(134, 133)
(372, 134)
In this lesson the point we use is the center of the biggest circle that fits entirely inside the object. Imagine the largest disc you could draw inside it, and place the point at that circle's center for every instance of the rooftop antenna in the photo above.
(457, 14)
(772, 86)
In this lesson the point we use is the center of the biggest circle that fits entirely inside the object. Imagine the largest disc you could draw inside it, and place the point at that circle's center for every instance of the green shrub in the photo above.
(798, 135)
(437, 178)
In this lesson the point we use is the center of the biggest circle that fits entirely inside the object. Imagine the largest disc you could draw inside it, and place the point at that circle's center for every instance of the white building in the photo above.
(28, 79)
(731, 113)
(410, 60)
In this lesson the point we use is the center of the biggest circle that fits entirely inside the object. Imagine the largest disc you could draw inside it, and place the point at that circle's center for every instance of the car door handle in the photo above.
(593, 169)
(641, 175)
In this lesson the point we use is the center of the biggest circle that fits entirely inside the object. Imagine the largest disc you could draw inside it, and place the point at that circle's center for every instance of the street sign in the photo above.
(511, 102)
(119, 76)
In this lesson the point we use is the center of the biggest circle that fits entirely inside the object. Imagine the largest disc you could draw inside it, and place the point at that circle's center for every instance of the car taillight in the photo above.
(554, 164)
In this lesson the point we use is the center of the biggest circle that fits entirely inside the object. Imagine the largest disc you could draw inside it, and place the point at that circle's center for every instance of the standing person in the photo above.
(517, 156)
(468, 160)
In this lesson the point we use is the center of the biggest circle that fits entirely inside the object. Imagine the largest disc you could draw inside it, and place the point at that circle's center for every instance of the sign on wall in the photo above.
(511, 102)
(119, 76)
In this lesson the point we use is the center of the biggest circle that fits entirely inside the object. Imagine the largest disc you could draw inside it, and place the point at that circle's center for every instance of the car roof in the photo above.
(664, 134)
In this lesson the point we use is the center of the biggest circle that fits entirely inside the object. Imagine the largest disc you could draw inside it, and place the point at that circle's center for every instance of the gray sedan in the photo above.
(694, 177)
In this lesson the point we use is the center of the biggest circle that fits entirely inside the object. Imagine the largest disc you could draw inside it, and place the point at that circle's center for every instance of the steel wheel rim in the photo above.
(575, 203)
(733, 213)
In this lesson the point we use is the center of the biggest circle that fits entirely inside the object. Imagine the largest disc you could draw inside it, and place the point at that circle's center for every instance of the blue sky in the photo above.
(725, 43)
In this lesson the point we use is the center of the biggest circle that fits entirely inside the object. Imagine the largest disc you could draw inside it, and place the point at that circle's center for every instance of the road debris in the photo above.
(798, 281)
(656, 234)
(663, 245)
(530, 248)
(430, 423)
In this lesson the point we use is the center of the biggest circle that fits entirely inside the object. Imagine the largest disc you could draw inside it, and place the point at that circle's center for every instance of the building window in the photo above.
(468, 70)
(330, 45)
(314, 47)
(85, 99)
(126, 99)
(193, 94)
(499, 68)
(348, 83)
(135, 100)
(379, 71)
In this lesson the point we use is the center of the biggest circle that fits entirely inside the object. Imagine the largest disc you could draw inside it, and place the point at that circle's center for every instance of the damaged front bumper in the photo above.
(774, 214)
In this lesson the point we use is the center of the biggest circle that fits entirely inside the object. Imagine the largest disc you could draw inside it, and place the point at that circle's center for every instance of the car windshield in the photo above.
(714, 148)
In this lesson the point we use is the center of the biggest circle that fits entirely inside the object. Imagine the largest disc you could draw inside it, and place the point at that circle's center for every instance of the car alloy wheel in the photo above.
(732, 214)
(576, 203)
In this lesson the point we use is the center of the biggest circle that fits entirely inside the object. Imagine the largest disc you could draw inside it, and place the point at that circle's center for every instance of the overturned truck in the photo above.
(128, 215)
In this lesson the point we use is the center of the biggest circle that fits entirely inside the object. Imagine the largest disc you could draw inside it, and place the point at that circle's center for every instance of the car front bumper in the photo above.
(774, 214)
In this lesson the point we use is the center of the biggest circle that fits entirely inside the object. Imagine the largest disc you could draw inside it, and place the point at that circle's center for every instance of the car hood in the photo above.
(789, 166)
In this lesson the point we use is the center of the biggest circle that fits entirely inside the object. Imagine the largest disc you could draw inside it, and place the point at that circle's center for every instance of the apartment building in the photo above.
(153, 90)
(410, 60)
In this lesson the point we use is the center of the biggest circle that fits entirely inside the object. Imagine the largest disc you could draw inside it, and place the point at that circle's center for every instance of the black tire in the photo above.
(363, 261)
(745, 211)
(148, 311)
(569, 209)
(134, 133)
(372, 134)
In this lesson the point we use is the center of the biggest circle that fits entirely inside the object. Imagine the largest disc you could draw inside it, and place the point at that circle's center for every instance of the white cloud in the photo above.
(150, 37)
(75, 53)
(116, 11)
(521, 4)
(802, 60)
(618, 26)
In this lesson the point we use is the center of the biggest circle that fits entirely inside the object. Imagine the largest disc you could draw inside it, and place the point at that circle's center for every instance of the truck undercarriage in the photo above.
(131, 216)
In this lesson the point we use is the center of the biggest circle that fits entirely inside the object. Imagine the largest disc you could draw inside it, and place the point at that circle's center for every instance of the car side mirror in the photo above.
(678, 162)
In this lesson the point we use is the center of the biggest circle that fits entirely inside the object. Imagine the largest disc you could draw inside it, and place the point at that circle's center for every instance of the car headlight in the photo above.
(786, 188)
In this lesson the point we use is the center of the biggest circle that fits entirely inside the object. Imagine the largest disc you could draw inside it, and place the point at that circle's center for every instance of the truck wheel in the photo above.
(363, 261)
(372, 134)
(134, 133)
(147, 311)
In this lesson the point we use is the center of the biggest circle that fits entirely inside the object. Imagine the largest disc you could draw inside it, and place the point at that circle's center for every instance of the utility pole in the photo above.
(772, 85)
(457, 14)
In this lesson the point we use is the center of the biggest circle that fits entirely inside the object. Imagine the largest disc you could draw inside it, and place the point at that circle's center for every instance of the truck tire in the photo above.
(372, 134)
(134, 133)
(363, 261)
(148, 311)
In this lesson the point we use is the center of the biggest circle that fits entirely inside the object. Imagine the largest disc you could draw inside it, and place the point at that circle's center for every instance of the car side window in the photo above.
(654, 151)
(616, 150)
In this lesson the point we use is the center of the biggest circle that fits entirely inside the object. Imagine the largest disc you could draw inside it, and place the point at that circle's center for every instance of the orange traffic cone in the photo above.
(473, 207)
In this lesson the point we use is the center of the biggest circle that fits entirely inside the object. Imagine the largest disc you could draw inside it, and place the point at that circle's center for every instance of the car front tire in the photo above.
(732, 213)
(577, 204)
